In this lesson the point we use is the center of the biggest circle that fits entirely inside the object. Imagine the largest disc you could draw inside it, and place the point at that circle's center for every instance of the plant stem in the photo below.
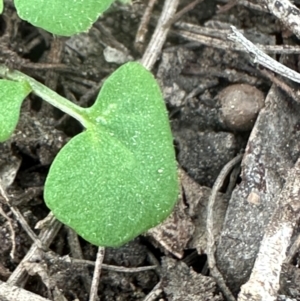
(47, 94)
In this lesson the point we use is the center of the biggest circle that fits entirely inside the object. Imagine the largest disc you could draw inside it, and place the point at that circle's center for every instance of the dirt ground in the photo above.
(222, 106)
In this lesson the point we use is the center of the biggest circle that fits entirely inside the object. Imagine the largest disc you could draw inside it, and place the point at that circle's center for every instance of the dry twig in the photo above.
(20, 218)
(264, 280)
(216, 38)
(248, 4)
(156, 291)
(294, 249)
(97, 273)
(282, 85)
(183, 11)
(286, 12)
(230, 4)
(142, 30)
(19, 275)
(261, 58)
(211, 245)
(159, 36)
(12, 231)
(114, 268)
(77, 253)
(13, 293)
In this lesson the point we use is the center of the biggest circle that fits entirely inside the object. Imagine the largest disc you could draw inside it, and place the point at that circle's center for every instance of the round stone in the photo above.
(240, 104)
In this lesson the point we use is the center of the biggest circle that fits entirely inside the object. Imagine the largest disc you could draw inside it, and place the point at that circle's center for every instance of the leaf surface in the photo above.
(12, 95)
(62, 17)
(118, 178)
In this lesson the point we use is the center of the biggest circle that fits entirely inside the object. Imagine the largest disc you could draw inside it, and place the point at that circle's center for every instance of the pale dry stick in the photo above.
(293, 250)
(183, 11)
(154, 261)
(156, 291)
(205, 40)
(252, 5)
(47, 66)
(113, 42)
(229, 5)
(264, 281)
(12, 233)
(55, 56)
(281, 84)
(261, 58)
(13, 293)
(286, 12)
(9, 220)
(76, 252)
(96, 276)
(114, 268)
(159, 36)
(143, 27)
(92, 92)
(248, 4)
(211, 244)
(203, 30)
(30, 45)
(20, 218)
(19, 275)
(209, 37)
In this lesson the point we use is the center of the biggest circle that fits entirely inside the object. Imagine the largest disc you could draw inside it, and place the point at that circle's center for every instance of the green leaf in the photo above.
(12, 95)
(62, 17)
(1, 6)
(118, 178)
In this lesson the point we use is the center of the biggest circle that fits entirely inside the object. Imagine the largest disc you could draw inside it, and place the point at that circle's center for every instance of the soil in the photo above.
(200, 84)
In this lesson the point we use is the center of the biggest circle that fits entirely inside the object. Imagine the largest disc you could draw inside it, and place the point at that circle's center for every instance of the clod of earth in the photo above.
(240, 105)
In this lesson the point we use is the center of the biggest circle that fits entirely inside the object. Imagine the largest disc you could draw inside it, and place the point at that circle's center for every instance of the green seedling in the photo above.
(12, 95)
(118, 178)
(61, 17)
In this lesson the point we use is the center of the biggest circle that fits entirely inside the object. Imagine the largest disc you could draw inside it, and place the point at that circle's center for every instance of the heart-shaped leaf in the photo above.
(118, 178)
(62, 17)
(12, 95)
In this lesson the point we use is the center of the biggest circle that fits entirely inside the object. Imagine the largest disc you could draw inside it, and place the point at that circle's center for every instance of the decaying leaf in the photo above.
(181, 283)
(175, 232)
(186, 226)
(197, 199)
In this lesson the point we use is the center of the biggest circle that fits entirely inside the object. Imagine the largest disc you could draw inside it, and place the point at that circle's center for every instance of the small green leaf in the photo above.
(1, 6)
(62, 17)
(118, 178)
(12, 95)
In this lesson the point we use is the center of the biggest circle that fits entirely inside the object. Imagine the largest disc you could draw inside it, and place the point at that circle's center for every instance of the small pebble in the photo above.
(240, 105)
